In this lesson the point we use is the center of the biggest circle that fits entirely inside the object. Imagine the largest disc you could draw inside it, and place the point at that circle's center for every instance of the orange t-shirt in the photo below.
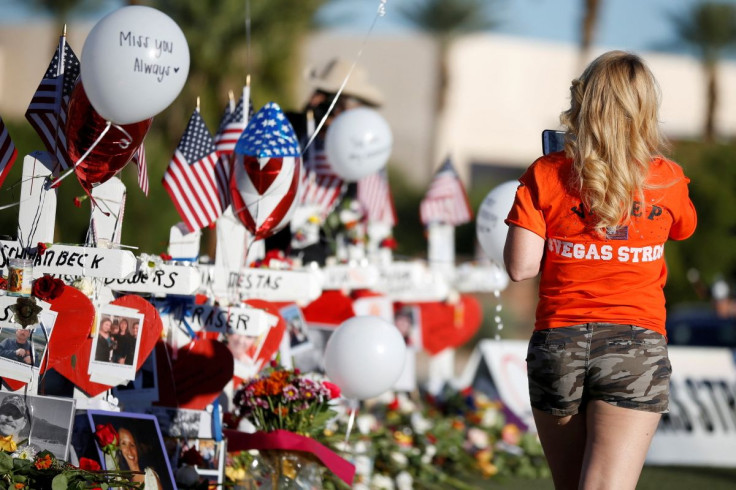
(587, 278)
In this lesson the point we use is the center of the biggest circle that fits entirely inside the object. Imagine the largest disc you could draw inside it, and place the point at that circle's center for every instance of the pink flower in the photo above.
(290, 392)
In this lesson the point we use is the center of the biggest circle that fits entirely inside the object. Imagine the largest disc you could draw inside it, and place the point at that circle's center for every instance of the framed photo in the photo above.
(296, 328)
(22, 349)
(38, 422)
(140, 445)
(115, 345)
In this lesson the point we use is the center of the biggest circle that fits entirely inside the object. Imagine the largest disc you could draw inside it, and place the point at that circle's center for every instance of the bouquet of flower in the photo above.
(287, 400)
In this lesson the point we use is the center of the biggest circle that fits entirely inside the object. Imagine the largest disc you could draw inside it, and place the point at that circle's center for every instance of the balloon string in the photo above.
(68, 171)
(380, 13)
(351, 421)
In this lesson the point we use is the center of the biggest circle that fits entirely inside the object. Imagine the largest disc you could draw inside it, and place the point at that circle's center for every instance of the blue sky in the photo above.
(637, 25)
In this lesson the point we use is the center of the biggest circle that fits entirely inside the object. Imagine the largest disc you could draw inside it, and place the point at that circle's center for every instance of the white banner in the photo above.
(700, 429)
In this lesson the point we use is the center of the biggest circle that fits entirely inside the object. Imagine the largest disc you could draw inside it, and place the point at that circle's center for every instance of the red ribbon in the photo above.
(283, 439)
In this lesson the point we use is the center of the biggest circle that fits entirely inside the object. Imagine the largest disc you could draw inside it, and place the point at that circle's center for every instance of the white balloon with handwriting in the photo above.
(135, 62)
(358, 143)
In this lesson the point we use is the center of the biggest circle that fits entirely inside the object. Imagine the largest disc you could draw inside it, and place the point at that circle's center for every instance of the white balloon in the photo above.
(365, 356)
(358, 143)
(489, 224)
(134, 63)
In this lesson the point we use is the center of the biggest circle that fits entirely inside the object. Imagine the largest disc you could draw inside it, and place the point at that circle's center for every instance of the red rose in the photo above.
(192, 457)
(47, 287)
(332, 388)
(41, 248)
(165, 256)
(3, 283)
(89, 464)
(107, 437)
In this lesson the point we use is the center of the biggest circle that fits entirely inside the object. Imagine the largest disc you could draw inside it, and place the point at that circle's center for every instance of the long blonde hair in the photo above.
(612, 134)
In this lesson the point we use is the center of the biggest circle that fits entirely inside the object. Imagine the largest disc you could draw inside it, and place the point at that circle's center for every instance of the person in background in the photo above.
(18, 348)
(594, 219)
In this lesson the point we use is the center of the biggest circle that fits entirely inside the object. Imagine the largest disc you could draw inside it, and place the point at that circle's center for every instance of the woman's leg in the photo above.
(617, 443)
(563, 441)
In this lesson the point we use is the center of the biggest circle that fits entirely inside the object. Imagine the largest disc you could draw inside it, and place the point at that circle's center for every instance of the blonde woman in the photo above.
(594, 220)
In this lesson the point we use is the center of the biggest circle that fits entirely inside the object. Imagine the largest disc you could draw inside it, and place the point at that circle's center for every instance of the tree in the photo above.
(588, 26)
(445, 21)
(61, 10)
(710, 27)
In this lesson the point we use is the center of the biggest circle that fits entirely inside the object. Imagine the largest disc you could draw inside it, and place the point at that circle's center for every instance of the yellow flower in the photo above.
(235, 474)
(7, 444)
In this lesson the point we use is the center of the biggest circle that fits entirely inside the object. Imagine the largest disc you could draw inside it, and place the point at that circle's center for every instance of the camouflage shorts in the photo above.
(623, 365)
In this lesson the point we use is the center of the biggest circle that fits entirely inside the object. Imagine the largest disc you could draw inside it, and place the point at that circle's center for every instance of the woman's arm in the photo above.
(523, 253)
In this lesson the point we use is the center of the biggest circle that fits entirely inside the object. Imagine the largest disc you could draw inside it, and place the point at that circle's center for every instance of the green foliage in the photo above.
(409, 232)
(708, 26)
(712, 249)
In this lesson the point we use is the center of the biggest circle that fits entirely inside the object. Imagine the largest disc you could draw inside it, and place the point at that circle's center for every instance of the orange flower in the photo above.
(19, 485)
(281, 411)
(511, 434)
(44, 463)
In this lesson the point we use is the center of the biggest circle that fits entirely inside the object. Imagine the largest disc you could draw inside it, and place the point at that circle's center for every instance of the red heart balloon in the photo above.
(249, 183)
(449, 325)
(75, 314)
(114, 150)
(76, 370)
(196, 376)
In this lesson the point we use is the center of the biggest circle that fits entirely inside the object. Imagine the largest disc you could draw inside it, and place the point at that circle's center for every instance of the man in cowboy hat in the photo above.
(307, 242)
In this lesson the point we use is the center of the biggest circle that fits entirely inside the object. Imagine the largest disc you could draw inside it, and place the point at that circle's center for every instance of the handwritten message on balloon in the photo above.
(135, 62)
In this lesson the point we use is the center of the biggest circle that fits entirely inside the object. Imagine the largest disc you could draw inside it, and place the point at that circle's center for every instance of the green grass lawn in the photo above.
(652, 478)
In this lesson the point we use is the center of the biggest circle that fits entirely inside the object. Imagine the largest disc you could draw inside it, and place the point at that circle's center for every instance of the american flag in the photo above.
(374, 196)
(139, 160)
(446, 200)
(190, 176)
(231, 127)
(321, 187)
(8, 152)
(48, 107)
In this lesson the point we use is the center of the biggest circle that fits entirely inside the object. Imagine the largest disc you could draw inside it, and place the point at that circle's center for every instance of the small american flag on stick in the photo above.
(374, 196)
(446, 200)
(48, 107)
(8, 152)
(190, 176)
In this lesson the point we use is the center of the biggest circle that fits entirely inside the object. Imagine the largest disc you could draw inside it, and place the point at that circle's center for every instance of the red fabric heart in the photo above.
(75, 314)
(262, 178)
(196, 376)
(331, 309)
(151, 332)
(275, 334)
(448, 325)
